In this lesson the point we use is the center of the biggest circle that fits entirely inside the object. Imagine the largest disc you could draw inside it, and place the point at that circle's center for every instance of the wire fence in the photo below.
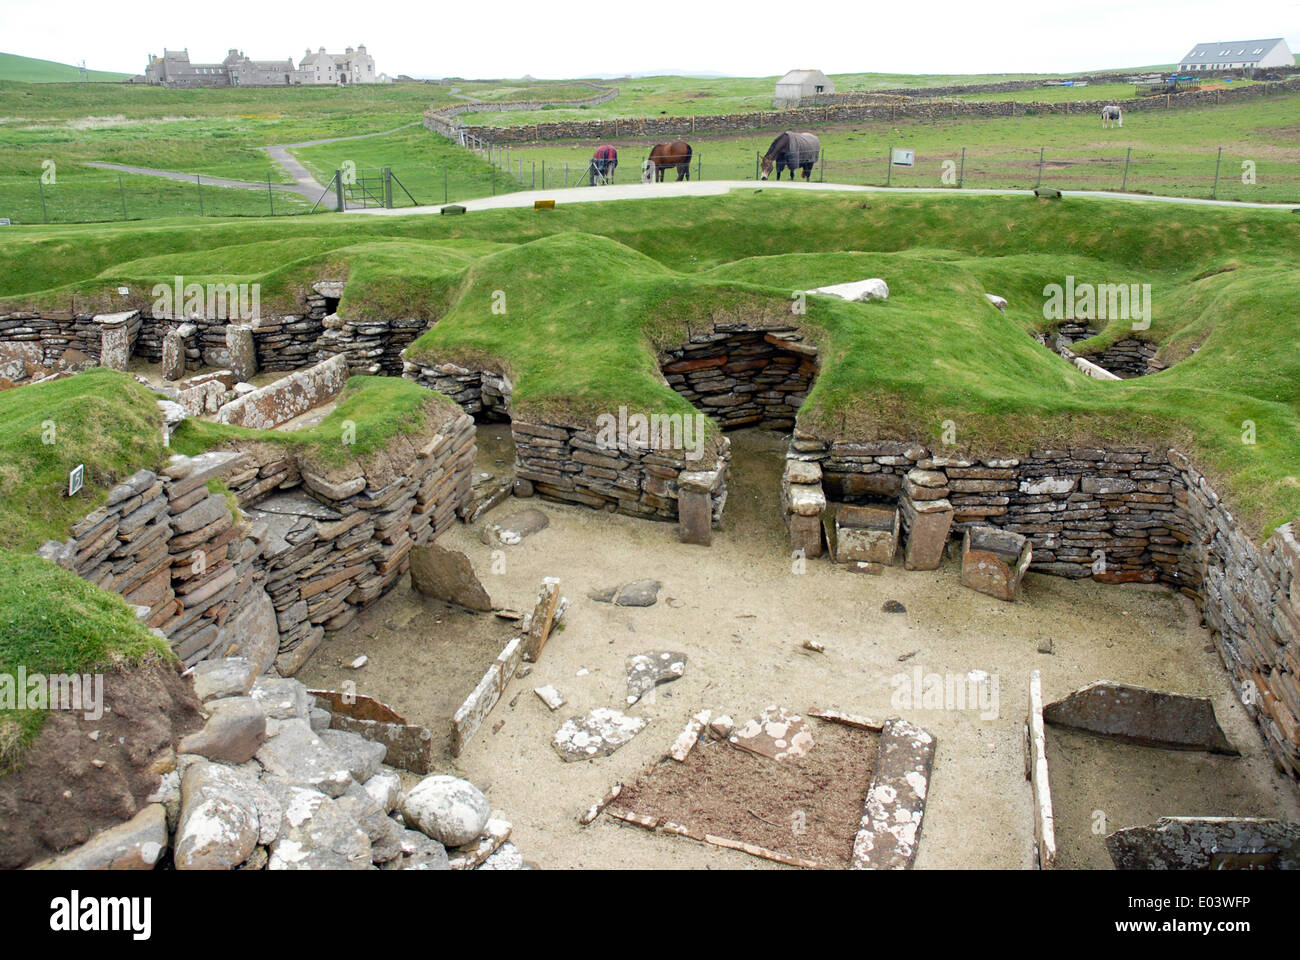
(1218, 173)
(97, 195)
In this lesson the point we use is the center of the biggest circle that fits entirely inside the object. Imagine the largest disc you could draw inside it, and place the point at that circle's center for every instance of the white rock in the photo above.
(999, 302)
(858, 290)
(448, 809)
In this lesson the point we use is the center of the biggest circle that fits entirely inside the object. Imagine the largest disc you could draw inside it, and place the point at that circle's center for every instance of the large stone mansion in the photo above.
(174, 69)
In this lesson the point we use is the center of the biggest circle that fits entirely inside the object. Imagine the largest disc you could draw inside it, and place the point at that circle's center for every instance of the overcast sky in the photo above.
(511, 38)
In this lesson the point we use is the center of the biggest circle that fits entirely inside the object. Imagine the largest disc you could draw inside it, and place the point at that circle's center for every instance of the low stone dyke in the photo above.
(299, 551)
(850, 112)
(279, 342)
(576, 464)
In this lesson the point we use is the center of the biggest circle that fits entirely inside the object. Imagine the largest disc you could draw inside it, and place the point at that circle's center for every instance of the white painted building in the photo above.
(1237, 55)
(797, 84)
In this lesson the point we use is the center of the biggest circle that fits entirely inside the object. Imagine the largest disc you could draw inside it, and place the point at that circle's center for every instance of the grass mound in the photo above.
(52, 621)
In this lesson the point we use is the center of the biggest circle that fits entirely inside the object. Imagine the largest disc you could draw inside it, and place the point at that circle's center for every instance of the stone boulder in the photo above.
(447, 809)
(233, 734)
(225, 813)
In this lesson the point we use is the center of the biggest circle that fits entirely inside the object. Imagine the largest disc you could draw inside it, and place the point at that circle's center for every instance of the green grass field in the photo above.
(29, 70)
(1174, 152)
(49, 131)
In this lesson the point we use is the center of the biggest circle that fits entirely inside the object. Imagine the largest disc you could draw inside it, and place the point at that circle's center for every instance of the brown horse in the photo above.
(664, 155)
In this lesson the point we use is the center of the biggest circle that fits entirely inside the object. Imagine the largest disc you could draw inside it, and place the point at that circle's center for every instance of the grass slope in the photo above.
(30, 70)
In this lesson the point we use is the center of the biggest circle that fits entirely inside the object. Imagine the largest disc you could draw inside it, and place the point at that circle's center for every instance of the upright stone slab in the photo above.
(928, 523)
(243, 352)
(117, 338)
(695, 505)
(173, 356)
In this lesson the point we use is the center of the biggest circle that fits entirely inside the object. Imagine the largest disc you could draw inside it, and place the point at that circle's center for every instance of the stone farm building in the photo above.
(797, 84)
(174, 69)
(1237, 55)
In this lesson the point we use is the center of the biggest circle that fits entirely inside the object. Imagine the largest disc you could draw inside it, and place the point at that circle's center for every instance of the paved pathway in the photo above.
(710, 188)
(304, 184)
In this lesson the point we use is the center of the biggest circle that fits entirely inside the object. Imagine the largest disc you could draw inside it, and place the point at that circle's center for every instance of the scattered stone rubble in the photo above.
(307, 797)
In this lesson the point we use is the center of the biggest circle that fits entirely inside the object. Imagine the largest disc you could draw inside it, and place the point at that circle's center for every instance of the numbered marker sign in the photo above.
(903, 158)
(76, 477)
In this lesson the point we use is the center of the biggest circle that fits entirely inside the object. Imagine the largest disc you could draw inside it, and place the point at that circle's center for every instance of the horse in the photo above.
(791, 151)
(666, 155)
(1110, 114)
(604, 162)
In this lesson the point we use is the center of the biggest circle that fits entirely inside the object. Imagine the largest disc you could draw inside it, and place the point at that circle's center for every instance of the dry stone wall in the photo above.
(303, 550)
(838, 112)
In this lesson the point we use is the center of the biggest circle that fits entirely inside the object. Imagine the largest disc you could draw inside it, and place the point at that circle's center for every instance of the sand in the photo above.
(741, 614)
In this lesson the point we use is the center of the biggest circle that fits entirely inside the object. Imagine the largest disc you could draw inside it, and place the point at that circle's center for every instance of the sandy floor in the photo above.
(740, 614)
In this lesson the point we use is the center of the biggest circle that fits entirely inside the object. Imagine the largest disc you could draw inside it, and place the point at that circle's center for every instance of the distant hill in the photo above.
(27, 70)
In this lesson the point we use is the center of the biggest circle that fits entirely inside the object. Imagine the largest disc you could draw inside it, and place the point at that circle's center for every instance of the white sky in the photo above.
(511, 38)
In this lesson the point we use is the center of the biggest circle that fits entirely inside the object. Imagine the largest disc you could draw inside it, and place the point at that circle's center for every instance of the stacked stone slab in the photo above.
(570, 465)
(744, 379)
(124, 546)
(1126, 358)
(1249, 596)
(926, 516)
(483, 394)
(319, 543)
(371, 346)
(802, 504)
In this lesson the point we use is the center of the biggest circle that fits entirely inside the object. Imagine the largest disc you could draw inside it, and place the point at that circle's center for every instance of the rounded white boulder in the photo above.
(448, 809)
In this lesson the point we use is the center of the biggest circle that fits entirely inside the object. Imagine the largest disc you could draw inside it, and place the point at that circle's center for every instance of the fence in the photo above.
(1225, 174)
(1219, 173)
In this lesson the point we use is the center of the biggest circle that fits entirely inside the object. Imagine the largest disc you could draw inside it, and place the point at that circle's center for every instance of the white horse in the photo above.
(1111, 115)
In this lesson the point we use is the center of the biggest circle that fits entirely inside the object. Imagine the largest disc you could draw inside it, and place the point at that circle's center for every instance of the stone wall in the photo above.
(443, 120)
(289, 397)
(306, 548)
(744, 379)
(1122, 514)
(570, 464)
(915, 109)
(281, 343)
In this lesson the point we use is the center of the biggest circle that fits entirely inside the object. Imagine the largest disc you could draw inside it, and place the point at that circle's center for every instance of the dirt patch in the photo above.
(425, 656)
(61, 795)
(807, 806)
(1101, 785)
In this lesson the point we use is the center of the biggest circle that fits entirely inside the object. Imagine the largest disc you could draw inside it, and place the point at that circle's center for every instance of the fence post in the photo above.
(699, 163)
(533, 167)
(270, 194)
(494, 180)
(388, 188)
(1040, 168)
(1124, 186)
(198, 182)
(338, 191)
(821, 166)
(121, 190)
(756, 164)
(889, 166)
(1214, 194)
(45, 214)
(446, 185)
(961, 173)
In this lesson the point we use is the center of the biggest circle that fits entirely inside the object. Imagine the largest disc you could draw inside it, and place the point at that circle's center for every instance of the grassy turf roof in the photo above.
(592, 291)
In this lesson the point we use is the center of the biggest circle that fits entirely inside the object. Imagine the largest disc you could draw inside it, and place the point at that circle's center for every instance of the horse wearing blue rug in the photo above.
(791, 151)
